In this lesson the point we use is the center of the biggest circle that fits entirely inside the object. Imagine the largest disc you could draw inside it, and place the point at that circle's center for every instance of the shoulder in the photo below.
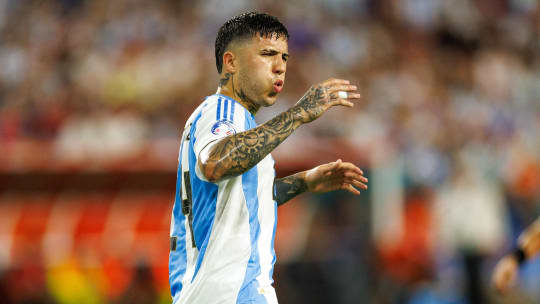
(212, 108)
(203, 110)
(218, 116)
(224, 109)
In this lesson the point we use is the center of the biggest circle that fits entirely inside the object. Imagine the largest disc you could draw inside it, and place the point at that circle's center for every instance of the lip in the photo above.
(278, 86)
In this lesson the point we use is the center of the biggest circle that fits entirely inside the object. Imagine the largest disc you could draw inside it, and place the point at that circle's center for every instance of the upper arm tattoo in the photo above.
(288, 187)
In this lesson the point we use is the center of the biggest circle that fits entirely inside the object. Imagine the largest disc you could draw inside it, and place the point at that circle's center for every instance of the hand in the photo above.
(334, 176)
(321, 97)
(505, 273)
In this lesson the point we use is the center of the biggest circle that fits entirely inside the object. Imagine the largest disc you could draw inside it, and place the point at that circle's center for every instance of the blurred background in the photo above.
(94, 94)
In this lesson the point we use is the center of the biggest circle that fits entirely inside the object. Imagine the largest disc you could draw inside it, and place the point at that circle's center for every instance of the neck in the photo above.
(227, 88)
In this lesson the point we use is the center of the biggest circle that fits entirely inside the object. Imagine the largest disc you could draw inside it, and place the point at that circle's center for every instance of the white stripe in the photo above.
(267, 219)
(216, 281)
(191, 258)
(239, 117)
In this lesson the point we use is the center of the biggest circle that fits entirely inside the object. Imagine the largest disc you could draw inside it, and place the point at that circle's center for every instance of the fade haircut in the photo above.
(246, 25)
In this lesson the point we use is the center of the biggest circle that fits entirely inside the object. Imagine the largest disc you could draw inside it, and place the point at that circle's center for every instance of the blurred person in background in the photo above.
(469, 210)
(506, 270)
(224, 215)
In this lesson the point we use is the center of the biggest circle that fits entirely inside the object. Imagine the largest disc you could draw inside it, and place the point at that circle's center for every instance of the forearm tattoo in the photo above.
(235, 154)
(238, 153)
(315, 102)
(288, 187)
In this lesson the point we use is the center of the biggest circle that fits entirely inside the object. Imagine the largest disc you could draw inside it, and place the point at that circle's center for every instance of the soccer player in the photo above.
(505, 272)
(224, 216)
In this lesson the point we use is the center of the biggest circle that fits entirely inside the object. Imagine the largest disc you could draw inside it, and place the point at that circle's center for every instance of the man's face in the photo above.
(262, 63)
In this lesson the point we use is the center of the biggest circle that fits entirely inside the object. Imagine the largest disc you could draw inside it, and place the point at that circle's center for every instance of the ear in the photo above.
(229, 62)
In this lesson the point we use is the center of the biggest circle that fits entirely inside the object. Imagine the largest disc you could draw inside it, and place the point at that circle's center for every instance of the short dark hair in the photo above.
(244, 25)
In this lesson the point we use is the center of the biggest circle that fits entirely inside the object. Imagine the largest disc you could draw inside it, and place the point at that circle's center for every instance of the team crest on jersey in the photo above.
(224, 128)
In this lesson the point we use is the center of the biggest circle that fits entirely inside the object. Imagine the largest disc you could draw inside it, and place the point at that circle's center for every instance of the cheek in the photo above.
(254, 80)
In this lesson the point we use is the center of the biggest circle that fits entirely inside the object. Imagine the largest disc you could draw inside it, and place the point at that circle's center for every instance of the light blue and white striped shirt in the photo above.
(234, 220)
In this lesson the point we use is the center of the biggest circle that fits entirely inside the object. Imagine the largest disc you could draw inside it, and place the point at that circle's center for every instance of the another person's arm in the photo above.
(236, 154)
(528, 247)
(328, 177)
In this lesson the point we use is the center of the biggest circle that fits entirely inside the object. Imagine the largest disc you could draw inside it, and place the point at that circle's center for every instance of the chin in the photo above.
(270, 100)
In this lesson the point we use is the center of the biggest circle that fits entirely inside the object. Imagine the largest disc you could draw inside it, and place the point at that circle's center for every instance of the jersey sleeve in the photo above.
(218, 120)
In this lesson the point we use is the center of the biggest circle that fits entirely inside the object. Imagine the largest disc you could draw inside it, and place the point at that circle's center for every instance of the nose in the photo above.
(279, 66)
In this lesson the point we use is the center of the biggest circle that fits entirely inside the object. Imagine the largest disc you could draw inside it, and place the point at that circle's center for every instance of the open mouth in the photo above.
(278, 85)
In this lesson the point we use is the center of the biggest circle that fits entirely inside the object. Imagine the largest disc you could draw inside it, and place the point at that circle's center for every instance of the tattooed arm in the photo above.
(507, 269)
(236, 154)
(328, 177)
(289, 187)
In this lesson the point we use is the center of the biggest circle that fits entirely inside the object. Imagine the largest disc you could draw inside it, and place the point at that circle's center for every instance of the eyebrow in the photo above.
(274, 52)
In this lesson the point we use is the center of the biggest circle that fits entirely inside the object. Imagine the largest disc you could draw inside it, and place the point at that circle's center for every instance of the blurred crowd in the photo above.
(448, 126)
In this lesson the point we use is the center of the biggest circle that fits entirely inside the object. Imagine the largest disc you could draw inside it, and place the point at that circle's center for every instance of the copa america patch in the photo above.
(223, 128)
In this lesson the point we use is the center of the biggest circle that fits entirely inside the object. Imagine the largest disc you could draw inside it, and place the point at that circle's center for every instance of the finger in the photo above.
(341, 102)
(501, 277)
(499, 289)
(350, 188)
(335, 95)
(354, 96)
(503, 282)
(332, 81)
(497, 281)
(351, 167)
(342, 87)
(502, 288)
(357, 184)
(355, 177)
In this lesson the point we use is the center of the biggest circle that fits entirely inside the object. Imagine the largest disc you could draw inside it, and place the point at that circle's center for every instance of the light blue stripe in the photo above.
(218, 113)
(273, 238)
(225, 109)
(248, 292)
(232, 110)
(204, 204)
(178, 258)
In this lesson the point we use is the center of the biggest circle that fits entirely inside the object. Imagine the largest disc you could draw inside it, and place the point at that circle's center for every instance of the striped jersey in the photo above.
(222, 248)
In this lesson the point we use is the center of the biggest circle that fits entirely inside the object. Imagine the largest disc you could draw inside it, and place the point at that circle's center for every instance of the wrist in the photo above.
(306, 180)
(299, 115)
(519, 255)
